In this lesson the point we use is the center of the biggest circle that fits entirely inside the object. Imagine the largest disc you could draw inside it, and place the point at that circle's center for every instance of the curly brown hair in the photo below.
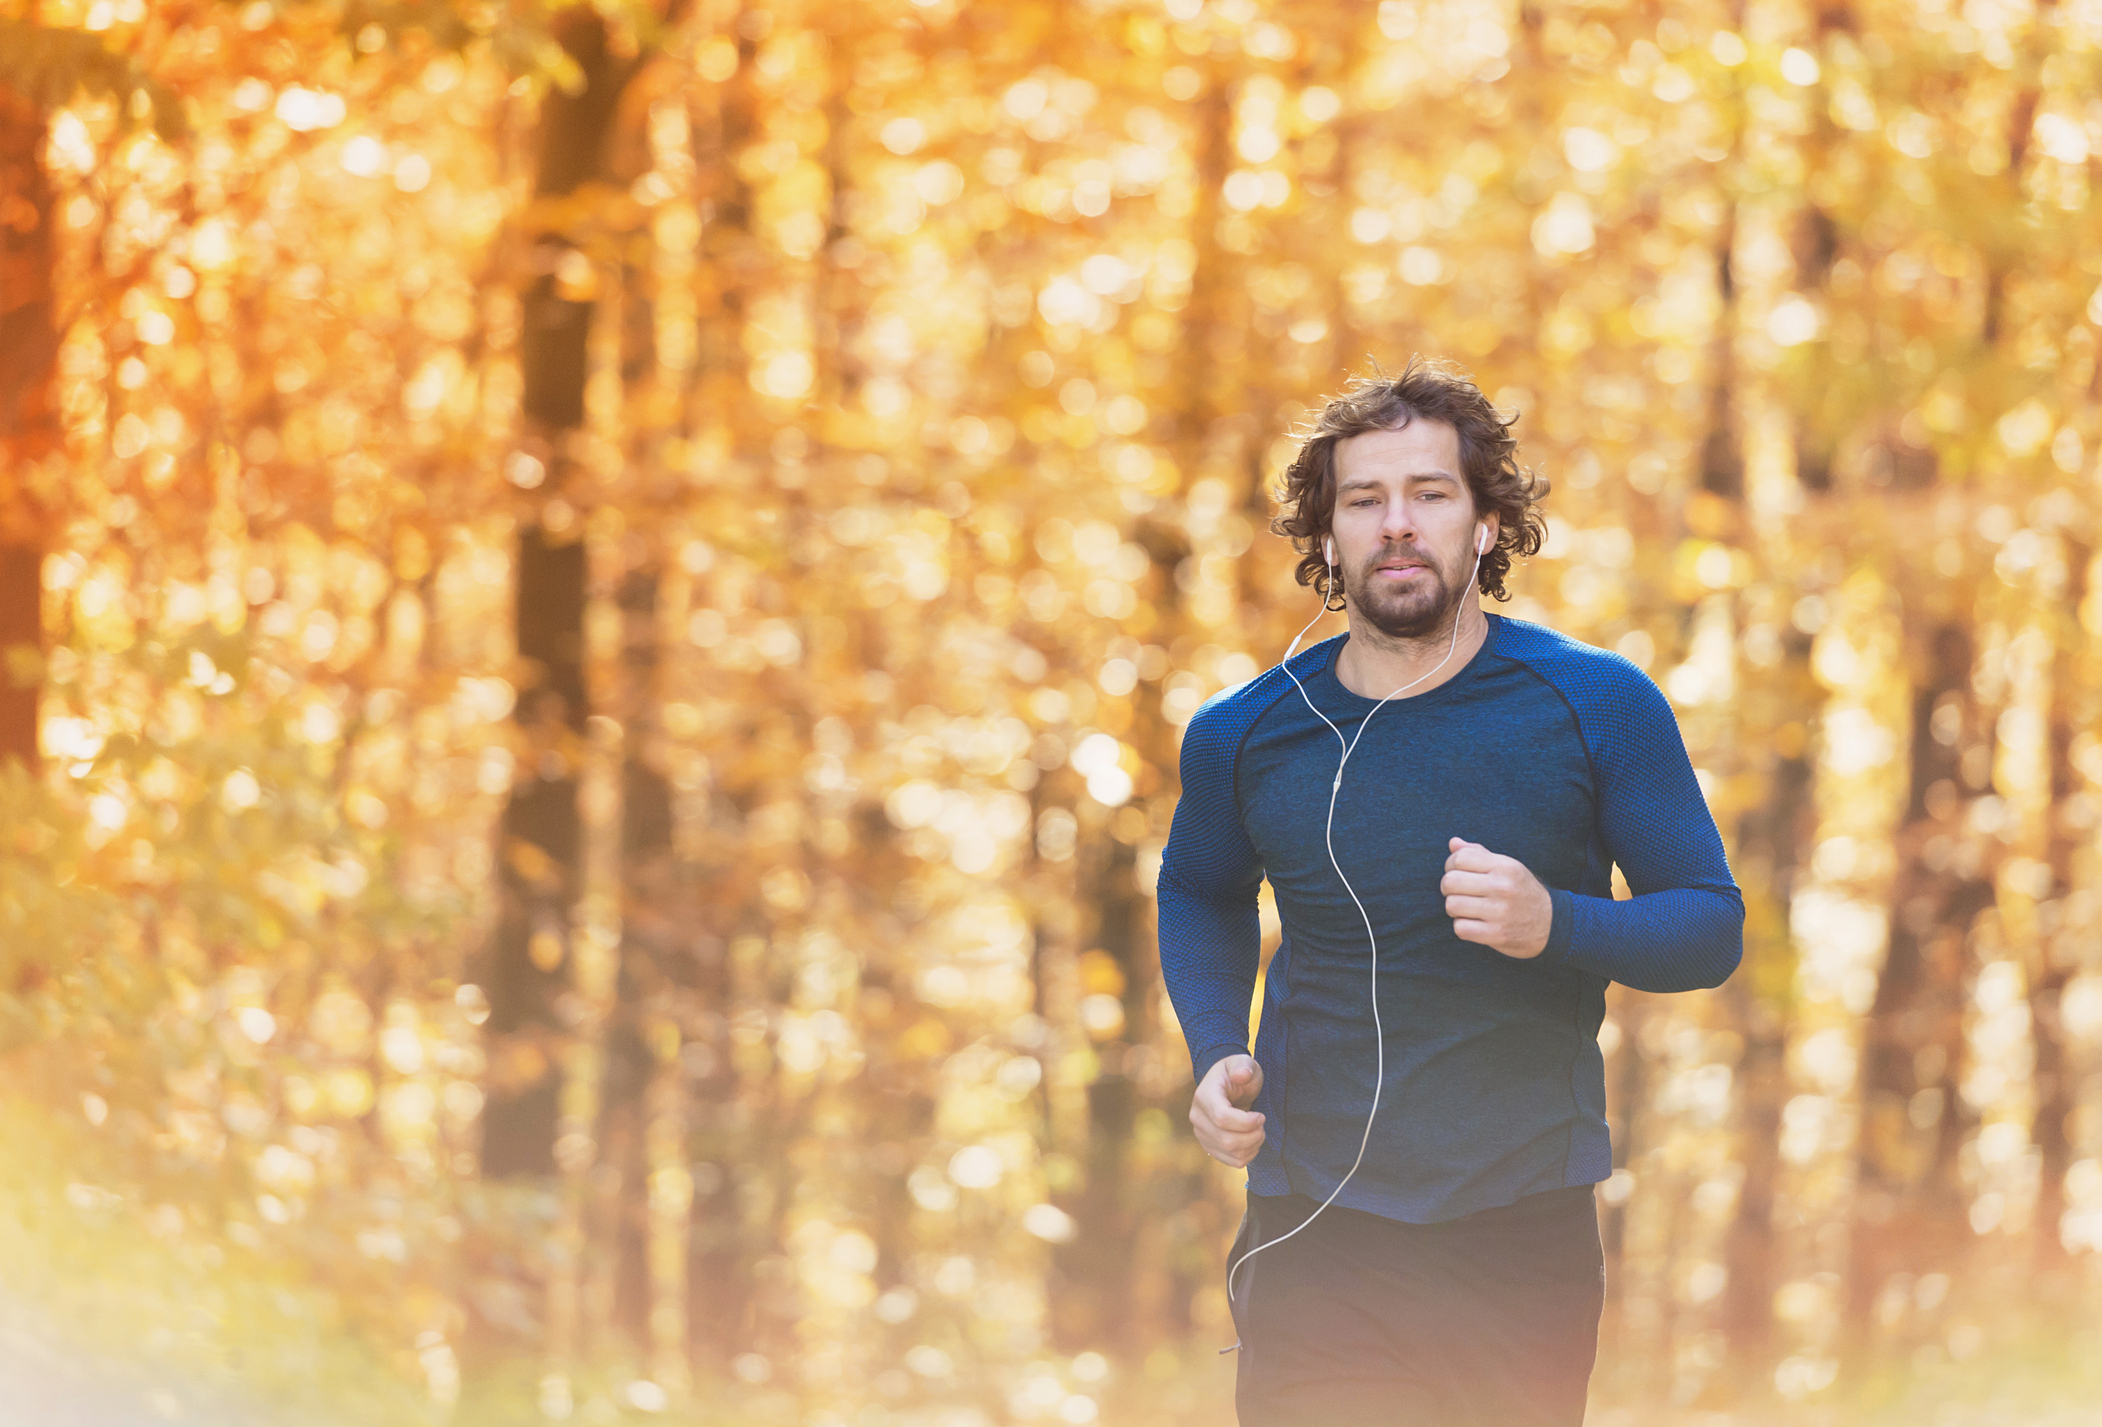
(1434, 391)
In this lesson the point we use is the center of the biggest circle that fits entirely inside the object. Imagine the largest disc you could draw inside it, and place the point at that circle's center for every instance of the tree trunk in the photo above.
(1821, 402)
(1909, 1213)
(1628, 1093)
(1910, 1201)
(2058, 948)
(1771, 841)
(29, 425)
(641, 1221)
(21, 649)
(1120, 1264)
(1099, 1260)
(542, 833)
(554, 959)
(542, 839)
(1771, 739)
(603, 1139)
(1779, 714)
(735, 1114)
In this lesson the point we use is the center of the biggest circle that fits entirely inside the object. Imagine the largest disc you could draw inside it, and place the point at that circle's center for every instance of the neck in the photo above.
(1373, 663)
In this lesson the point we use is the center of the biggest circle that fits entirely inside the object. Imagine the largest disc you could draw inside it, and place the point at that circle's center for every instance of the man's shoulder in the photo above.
(1223, 720)
(1590, 678)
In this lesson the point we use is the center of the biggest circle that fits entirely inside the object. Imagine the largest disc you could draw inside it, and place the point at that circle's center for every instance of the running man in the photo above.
(1457, 1277)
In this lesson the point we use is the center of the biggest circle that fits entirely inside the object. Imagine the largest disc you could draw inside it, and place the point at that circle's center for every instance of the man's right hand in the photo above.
(1229, 1131)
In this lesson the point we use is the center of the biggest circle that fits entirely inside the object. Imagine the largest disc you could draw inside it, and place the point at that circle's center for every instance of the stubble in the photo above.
(1420, 609)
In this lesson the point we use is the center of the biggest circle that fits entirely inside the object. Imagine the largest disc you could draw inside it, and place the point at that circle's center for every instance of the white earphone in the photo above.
(1482, 541)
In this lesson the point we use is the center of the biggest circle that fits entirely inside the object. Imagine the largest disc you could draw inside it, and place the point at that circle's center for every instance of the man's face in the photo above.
(1404, 527)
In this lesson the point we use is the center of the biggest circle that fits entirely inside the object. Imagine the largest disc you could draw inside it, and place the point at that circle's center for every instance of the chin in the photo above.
(1413, 629)
(1416, 616)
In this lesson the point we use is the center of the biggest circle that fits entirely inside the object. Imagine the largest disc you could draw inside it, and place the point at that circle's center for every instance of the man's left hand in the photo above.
(1496, 900)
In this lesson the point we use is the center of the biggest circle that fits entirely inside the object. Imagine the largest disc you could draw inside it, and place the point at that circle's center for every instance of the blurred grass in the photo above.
(111, 1316)
(199, 1327)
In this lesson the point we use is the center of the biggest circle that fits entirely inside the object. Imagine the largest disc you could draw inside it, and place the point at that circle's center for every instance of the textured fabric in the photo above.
(1486, 1321)
(1541, 748)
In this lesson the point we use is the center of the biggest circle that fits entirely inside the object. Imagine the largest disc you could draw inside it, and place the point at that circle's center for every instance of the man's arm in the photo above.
(1684, 927)
(1210, 935)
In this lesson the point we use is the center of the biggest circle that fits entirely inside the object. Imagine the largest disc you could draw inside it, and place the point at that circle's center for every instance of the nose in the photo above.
(1395, 525)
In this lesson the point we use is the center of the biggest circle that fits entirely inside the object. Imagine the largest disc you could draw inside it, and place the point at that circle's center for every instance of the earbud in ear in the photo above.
(1328, 549)
(1481, 541)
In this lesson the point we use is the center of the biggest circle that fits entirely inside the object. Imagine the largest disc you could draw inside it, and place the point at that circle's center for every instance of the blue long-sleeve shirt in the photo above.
(1544, 749)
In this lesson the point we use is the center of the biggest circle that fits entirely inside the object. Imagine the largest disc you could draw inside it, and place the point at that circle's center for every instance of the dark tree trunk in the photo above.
(28, 415)
(1112, 1275)
(1722, 451)
(1909, 1212)
(651, 947)
(2058, 946)
(1628, 1092)
(21, 650)
(542, 845)
(1098, 1263)
(734, 1122)
(542, 831)
(1772, 740)
(1771, 843)
(1817, 242)
(1816, 250)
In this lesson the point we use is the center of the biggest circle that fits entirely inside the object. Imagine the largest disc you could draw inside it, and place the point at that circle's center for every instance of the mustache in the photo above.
(1402, 555)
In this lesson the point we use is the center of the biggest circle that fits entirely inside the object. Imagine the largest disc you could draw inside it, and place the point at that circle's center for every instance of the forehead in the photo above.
(1421, 448)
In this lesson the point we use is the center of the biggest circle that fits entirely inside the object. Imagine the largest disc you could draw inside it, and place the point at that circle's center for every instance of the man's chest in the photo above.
(1511, 775)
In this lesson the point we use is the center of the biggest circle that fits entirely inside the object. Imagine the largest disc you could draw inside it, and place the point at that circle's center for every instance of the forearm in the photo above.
(1210, 935)
(1210, 950)
(1676, 939)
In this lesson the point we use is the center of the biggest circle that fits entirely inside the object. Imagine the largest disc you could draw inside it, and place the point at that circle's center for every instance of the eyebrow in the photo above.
(1364, 481)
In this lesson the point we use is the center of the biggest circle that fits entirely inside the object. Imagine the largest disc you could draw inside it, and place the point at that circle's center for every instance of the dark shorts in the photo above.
(1485, 1321)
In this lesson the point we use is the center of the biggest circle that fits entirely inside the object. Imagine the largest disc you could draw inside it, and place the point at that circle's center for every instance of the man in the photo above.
(1470, 833)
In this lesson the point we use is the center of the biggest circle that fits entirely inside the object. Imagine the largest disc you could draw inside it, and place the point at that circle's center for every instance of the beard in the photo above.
(1418, 608)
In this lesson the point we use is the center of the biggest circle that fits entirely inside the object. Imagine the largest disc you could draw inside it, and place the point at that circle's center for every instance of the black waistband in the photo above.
(1546, 1206)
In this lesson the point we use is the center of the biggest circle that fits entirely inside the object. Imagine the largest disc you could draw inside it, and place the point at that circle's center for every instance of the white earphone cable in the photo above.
(1379, 1038)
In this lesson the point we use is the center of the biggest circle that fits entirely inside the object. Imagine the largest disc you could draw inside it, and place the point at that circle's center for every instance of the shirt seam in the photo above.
(1234, 764)
(1583, 738)
(1598, 791)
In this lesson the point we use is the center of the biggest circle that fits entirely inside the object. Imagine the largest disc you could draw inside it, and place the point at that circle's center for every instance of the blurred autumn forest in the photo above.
(598, 606)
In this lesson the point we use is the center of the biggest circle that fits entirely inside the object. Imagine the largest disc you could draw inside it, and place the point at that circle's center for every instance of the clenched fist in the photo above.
(1229, 1131)
(1495, 900)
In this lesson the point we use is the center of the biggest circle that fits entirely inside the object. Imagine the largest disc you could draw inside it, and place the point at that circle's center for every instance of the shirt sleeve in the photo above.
(1684, 927)
(1210, 934)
